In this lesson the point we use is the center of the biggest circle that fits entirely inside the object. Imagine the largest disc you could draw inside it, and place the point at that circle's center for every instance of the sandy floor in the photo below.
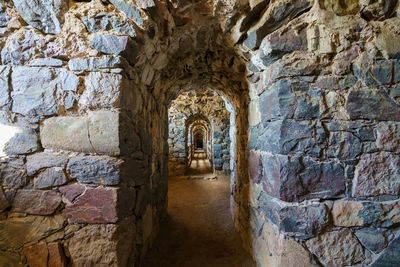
(199, 231)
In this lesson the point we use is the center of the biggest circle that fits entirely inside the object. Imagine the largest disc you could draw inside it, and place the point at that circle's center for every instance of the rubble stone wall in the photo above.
(313, 87)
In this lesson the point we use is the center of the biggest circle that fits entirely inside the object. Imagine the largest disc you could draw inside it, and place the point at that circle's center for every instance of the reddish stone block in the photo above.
(72, 191)
(37, 255)
(56, 255)
(94, 206)
(36, 202)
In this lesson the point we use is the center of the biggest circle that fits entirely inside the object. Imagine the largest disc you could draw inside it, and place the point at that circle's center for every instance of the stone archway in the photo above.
(87, 86)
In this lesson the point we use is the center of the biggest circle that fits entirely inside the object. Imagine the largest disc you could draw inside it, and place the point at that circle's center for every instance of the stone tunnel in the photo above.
(298, 101)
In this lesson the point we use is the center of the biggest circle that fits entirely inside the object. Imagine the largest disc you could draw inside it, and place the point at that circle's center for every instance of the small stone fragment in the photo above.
(109, 44)
(49, 62)
(72, 191)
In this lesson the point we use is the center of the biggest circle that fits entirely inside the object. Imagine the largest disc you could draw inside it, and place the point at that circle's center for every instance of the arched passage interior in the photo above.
(318, 78)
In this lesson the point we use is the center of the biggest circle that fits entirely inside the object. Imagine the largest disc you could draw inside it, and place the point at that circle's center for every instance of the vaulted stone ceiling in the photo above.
(84, 93)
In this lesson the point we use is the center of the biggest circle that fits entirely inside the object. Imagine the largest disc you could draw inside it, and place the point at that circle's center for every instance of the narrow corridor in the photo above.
(199, 230)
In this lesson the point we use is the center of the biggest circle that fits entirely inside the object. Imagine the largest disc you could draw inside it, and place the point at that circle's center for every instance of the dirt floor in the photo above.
(199, 230)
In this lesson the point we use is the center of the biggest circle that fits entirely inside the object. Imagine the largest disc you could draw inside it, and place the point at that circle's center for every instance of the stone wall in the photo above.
(323, 139)
(202, 107)
(313, 85)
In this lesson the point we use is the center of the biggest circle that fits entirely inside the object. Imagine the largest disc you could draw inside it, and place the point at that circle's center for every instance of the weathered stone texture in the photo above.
(390, 256)
(72, 191)
(4, 204)
(377, 174)
(43, 15)
(4, 85)
(103, 90)
(373, 239)
(98, 132)
(37, 255)
(288, 179)
(12, 172)
(50, 177)
(94, 245)
(372, 105)
(110, 44)
(130, 9)
(22, 143)
(94, 169)
(337, 248)
(36, 202)
(34, 91)
(94, 206)
(38, 161)
(16, 232)
(388, 137)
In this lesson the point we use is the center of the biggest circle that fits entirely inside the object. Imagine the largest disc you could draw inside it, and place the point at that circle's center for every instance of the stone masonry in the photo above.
(313, 88)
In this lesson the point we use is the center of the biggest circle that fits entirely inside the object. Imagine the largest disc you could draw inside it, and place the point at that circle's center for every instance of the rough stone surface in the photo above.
(104, 132)
(337, 248)
(4, 204)
(69, 133)
(103, 90)
(104, 22)
(83, 134)
(36, 202)
(33, 91)
(390, 256)
(302, 221)
(16, 232)
(56, 255)
(43, 15)
(377, 174)
(282, 252)
(345, 213)
(72, 191)
(69, 81)
(94, 206)
(388, 137)
(373, 239)
(129, 8)
(37, 255)
(4, 85)
(93, 245)
(287, 179)
(93, 169)
(373, 105)
(94, 63)
(50, 177)
(38, 161)
(109, 44)
(12, 173)
(43, 62)
(22, 143)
